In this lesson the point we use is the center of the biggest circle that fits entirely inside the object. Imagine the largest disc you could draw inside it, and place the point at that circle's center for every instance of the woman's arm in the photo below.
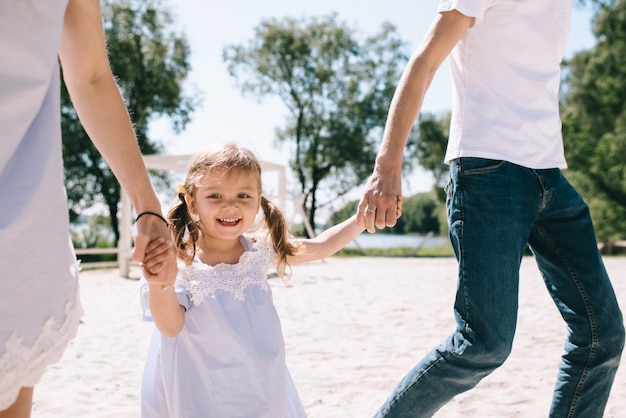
(102, 112)
(327, 243)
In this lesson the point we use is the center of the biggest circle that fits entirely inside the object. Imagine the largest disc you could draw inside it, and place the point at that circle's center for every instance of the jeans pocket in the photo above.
(471, 165)
(448, 189)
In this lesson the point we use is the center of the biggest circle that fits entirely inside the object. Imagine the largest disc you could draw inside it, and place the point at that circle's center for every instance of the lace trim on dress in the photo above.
(23, 365)
(202, 280)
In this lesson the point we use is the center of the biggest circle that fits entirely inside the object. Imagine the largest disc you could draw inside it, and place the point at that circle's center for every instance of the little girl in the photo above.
(218, 350)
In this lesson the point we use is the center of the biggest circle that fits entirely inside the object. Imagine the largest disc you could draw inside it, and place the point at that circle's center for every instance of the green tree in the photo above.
(95, 234)
(420, 214)
(595, 3)
(150, 61)
(594, 121)
(344, 213)
(337, 91)
(431, 145)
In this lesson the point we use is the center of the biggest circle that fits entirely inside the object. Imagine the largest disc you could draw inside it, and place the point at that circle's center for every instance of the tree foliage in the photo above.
(420, 215)
(431, 144)
(594, 121)
(337, 90)
(595, 3)
(151, 61)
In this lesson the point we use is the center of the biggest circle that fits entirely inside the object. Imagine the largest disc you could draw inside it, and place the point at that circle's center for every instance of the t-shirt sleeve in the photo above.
(183, 295)
(471, 8)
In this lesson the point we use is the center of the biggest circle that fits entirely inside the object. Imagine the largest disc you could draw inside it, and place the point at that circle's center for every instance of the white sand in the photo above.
(353, 327)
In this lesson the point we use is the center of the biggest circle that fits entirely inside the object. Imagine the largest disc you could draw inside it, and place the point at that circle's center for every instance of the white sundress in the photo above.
(229, 359)
(39, 307)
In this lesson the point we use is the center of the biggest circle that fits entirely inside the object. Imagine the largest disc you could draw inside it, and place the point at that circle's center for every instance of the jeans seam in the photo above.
(592, 348)
(463, 281)
(590, 315)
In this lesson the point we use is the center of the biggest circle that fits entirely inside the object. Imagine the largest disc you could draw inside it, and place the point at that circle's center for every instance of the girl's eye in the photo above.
(243, 196)
(213, 196)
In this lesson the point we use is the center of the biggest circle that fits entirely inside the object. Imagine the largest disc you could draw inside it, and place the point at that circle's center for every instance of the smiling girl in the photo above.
(218, 350)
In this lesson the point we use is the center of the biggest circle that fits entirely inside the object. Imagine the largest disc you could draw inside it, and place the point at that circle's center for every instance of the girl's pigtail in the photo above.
(185, 231)
(280, 235)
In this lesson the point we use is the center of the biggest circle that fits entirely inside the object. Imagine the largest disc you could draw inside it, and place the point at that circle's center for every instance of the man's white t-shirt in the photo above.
(506, 75)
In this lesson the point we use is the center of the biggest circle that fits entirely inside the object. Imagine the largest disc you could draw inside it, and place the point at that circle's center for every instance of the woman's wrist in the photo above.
(151, 213)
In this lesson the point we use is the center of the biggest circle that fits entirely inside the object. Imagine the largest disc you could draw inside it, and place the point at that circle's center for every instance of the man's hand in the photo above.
(381, 204)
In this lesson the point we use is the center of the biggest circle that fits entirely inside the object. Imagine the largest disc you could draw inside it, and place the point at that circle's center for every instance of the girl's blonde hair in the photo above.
(187, 233)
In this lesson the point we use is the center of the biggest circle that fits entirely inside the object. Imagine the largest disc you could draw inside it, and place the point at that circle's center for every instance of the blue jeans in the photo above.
(495, 209)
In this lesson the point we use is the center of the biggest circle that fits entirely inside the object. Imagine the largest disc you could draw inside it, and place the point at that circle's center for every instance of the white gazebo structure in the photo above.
(179, 164)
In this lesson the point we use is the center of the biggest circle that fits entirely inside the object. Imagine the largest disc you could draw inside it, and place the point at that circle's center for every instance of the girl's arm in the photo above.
(167, 314)
(327, 243)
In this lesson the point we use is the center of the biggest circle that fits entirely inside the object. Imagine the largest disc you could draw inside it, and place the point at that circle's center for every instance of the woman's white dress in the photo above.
(229, 359)
(39, 307)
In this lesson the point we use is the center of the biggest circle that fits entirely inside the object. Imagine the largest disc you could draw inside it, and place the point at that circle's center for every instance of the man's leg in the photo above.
(490, 213)
(565, 247)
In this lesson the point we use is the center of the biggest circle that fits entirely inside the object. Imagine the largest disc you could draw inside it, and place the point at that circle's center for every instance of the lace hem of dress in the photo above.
(202, 280)
(23, 366)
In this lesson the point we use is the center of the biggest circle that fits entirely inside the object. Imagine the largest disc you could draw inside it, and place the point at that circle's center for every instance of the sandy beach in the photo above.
(353, 327)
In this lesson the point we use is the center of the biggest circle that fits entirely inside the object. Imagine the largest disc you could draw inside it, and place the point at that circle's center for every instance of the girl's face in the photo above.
(227, 203)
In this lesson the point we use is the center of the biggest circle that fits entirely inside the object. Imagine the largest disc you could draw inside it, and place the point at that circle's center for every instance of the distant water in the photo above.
(367, 240)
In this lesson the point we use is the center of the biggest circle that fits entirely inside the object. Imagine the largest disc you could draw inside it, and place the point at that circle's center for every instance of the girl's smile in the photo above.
(229, 222)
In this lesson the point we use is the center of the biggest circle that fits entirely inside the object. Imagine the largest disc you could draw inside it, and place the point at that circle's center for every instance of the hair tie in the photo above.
(182, 192)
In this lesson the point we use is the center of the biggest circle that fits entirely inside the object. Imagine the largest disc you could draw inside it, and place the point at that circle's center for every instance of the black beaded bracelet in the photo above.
(153, 214)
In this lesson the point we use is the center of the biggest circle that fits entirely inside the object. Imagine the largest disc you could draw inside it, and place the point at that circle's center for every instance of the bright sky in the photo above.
(227, 116)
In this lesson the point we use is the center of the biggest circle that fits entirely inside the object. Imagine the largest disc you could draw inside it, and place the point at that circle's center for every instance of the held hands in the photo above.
(154, 250)
(381, 204)
(160, 263)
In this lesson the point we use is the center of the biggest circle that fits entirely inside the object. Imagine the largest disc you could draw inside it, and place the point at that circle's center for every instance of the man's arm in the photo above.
(381, 203)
